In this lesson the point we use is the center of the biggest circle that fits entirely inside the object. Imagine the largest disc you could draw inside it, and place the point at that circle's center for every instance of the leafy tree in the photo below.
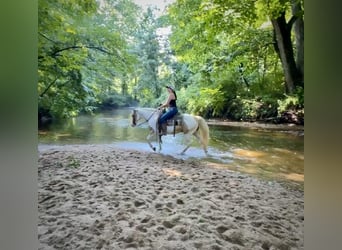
(147, 86)
(229, 41)
(277, 12)
(82, 53)
(226, 58)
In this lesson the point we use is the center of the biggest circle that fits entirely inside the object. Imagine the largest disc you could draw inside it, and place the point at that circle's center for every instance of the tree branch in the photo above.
(291, 22)
(41, 95)
(47, 38)
(55, 53)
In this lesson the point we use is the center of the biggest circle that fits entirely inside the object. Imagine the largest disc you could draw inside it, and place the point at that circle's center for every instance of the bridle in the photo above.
(134, 121)
(133, 118)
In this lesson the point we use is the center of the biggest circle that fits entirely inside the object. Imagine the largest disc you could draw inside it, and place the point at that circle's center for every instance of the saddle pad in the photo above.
(176, 121)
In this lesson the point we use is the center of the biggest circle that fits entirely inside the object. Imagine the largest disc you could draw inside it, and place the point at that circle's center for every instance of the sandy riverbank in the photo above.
(102, 197)
(285, 127)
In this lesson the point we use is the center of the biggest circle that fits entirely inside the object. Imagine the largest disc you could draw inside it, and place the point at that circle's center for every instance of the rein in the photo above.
(134, 122)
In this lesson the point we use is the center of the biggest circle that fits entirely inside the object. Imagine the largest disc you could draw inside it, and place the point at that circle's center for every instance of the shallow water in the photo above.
(274, 155)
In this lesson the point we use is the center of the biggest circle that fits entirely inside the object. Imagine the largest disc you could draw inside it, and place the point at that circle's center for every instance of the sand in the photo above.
(102, 197)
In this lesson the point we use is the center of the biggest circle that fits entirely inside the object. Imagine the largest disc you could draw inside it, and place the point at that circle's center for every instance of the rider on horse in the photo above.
(172, 110)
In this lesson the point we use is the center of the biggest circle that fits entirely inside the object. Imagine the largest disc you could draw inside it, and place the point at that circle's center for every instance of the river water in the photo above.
(270, 154)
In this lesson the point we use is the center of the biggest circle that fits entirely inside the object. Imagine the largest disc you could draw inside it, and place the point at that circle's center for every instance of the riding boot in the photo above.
(159, 129)
(164, 129)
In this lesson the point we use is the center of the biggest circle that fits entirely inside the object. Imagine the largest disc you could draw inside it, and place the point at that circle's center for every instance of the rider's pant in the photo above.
(172, 111)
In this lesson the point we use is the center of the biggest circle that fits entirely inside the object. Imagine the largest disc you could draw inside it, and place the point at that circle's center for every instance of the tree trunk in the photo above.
(299, 36)
(284, 44)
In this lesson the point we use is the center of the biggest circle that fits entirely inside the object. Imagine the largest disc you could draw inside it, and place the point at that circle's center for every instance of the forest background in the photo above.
(227, 59)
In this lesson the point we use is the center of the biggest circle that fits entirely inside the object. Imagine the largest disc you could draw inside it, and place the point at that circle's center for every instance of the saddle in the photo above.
(175, 121)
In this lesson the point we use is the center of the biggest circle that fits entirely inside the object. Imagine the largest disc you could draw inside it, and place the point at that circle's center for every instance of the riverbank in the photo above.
(102, 197)
(284, 127)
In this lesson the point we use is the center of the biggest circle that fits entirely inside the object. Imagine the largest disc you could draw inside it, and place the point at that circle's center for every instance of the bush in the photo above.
(114, 100)
(291, 109)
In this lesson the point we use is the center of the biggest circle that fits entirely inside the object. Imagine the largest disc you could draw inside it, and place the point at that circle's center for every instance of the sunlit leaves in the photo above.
(274, 8)
(82, 52)
(217, 36)
(147, 49)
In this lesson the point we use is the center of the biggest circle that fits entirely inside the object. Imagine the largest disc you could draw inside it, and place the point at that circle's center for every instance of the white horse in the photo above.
(188, 124)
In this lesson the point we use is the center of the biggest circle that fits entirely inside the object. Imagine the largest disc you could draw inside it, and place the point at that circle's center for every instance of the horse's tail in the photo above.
(204, 131)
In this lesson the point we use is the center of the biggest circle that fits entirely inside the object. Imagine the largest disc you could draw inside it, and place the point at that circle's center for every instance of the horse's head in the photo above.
(135, 118)
(145, 114)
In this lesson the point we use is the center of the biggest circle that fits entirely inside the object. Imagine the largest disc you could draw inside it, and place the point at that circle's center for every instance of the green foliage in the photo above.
(292, 102)
(208, 100)
(216, 37)
(242, 109)
(82, 52)
(273, 8)
(114, 100)
(249, 109)
(291, 108)
(220, 57)
(147, 87)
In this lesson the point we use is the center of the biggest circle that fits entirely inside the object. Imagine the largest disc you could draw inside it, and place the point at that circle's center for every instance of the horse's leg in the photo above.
(196, 134)
(187, 138)
(151, 134)
(159, 141)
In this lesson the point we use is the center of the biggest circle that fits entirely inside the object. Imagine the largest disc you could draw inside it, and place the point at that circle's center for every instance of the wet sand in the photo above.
(102, 197)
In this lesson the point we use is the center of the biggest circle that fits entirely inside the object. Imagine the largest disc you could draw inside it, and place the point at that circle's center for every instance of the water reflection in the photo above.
(267, 153)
